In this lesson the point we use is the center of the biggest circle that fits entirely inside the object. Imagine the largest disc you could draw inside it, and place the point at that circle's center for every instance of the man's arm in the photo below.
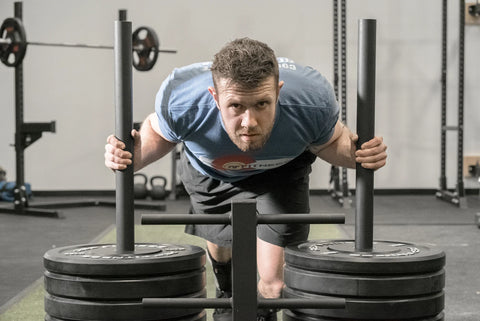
(341, 150)
(149, 146)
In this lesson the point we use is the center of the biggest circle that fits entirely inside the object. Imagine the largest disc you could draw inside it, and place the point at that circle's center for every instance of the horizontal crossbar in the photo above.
(207, 303)
(4, 41)
(156, 219)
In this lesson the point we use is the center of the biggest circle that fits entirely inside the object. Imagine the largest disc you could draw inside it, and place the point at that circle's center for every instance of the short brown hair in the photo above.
(245, 62)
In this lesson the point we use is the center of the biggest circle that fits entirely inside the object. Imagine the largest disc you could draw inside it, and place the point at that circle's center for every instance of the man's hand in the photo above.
(372, 154)
(115, 155)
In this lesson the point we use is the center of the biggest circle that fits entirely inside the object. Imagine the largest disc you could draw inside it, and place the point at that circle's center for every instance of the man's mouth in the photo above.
(248, 136)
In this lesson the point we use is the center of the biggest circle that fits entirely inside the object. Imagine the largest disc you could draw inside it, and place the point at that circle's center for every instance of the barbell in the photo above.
(13, 45)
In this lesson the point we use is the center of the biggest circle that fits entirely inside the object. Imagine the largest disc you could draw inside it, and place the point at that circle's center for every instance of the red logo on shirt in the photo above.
(234, 163)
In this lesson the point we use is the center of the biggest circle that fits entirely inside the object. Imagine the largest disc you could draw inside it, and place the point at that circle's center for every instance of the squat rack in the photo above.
(340, 191)
(25, 135)
(457, 196)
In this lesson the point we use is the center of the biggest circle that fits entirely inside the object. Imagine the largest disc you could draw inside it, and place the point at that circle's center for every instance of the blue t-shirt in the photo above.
(306, 115)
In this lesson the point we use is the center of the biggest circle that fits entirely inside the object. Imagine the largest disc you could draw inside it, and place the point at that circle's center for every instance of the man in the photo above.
(251, 126)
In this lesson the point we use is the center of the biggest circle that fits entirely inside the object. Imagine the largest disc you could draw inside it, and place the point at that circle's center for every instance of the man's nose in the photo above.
(249, 118)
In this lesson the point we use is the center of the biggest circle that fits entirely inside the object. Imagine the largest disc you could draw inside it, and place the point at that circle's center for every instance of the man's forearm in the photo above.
(151, 146)
(340, 151)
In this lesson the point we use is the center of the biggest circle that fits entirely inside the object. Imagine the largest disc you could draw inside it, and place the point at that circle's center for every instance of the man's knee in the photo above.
(219, 253)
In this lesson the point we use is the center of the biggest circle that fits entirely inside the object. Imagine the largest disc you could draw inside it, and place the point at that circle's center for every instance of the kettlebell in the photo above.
(140, 188)
(158, 191)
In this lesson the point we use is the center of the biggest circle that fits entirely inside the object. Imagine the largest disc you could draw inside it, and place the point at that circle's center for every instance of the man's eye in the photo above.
(235, 105)
(262, 104)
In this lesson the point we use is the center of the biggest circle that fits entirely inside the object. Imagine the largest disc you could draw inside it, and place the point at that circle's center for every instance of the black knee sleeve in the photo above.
(223, 275)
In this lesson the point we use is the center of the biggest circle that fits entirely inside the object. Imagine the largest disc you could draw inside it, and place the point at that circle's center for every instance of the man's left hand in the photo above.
(372, 154)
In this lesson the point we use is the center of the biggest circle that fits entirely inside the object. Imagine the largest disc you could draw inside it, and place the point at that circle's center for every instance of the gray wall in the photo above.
(75, 86)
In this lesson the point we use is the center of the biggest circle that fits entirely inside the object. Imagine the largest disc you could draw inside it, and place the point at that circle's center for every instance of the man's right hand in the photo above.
(148, 146)
(115, 155)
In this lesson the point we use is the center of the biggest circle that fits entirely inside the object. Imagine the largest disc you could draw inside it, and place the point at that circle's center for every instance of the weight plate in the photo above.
(102, 260)
(377, 308)
(202, 316)
(387, 257)
(145, 43)
(364, 285)
(289, 315)
(12, 54)
(124, 288)
(72, 309)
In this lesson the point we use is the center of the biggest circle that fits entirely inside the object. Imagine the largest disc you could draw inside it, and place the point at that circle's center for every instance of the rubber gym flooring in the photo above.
(420, 219)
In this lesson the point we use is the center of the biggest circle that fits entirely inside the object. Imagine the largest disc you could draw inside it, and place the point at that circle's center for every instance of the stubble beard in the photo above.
(260, 140)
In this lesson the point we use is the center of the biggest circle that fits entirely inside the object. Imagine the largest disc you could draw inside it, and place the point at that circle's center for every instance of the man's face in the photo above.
(248, 114)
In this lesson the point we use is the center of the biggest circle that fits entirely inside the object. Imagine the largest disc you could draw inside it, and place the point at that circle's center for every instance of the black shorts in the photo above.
(281, 190)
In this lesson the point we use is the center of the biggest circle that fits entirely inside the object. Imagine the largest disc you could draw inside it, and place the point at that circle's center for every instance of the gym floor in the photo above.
(420, 219)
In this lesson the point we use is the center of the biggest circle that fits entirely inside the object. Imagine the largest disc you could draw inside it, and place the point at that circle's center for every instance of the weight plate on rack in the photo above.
(124, 288)
(12, 54)
(87, 310)
(289, 315)
(102, 260)
(361, 308)
(202, 316)
(387, 257)
(146, 45)
(362, 284)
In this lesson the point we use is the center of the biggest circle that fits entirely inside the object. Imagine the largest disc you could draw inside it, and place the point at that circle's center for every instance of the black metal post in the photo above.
(335, 48)
(122, 15)
(443, 130)
(345, 191)
(21, 200)
(365, 129)
(334, 171)
(244, 260)
(173, 175)
(123, 127)
(461, 75)
(340, 191)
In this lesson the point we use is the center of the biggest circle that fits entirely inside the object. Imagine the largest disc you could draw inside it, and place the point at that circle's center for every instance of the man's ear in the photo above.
(280, 85)
(212, 92)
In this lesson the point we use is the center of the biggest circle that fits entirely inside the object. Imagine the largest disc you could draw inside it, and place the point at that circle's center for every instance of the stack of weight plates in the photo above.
(395, 281)
(92, 282)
